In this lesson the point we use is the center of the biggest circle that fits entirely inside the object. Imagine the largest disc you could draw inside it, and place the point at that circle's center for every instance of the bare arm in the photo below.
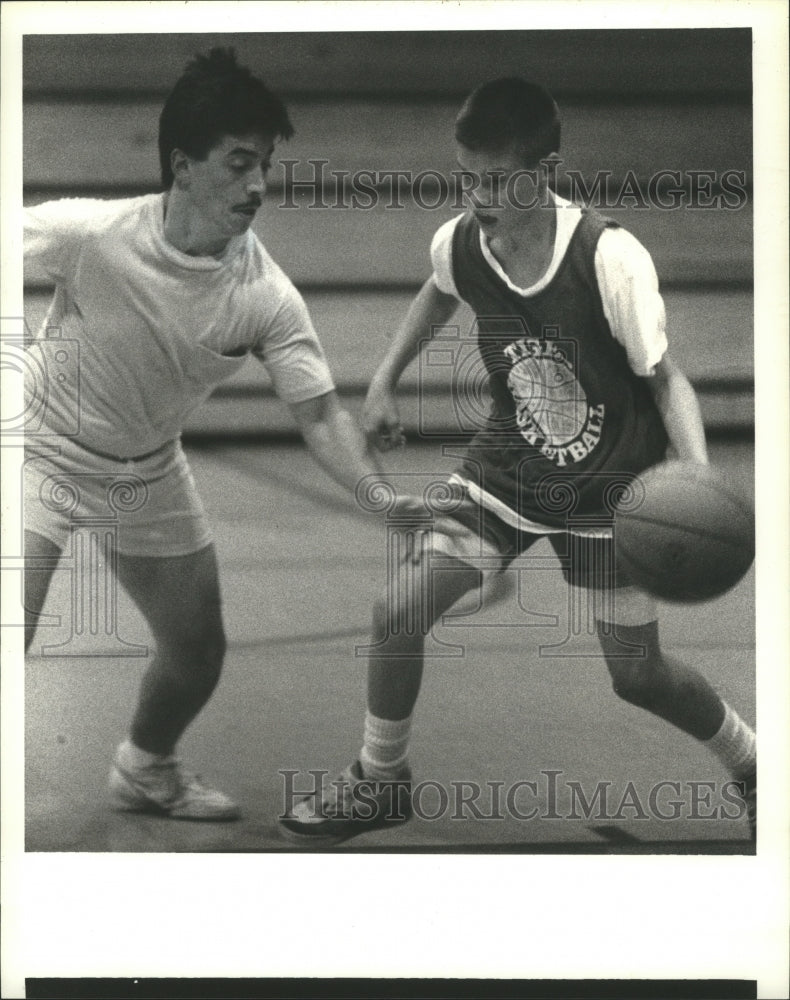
(677, 403)
(334, 439)
(380, 417)
(339, 447)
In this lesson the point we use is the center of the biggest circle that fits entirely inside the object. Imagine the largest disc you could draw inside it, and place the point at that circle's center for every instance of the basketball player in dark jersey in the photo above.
(584, 396)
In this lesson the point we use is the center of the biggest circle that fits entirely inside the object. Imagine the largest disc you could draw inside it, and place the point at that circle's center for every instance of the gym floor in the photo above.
(299, 565)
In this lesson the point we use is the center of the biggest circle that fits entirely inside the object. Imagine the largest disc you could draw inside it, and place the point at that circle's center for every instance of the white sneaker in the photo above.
(165, 788)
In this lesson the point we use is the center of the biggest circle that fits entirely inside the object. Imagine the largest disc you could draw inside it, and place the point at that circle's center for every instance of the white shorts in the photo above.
(150, 505)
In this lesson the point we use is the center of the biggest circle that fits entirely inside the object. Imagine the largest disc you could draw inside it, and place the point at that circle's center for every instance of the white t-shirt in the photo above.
(157, 329)
(626, 276)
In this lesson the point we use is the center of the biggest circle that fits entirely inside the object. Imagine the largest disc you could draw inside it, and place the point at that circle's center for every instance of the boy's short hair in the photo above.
(215, 97)
(510, 114)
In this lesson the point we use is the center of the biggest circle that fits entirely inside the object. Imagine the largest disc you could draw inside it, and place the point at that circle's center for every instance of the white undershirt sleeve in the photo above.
(442, 257)
(632, 303)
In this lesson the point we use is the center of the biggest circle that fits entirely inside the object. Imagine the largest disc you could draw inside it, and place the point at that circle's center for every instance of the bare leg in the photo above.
(41, 559)
(662, 685)
(180, 599)
(401, 620)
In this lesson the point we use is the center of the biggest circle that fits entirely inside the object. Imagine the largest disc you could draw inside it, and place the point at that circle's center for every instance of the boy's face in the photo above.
(224, 191)
(501, 189)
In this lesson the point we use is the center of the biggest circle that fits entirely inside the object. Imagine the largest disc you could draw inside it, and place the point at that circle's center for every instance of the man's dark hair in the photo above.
(510, 113)
(215, 97)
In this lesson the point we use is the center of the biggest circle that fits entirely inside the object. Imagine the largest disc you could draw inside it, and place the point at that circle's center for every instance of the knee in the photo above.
(210, 646)
(200, 651)
(215, 645)
(633, 658)
(400, 617)
(653, 684)
(635, 684)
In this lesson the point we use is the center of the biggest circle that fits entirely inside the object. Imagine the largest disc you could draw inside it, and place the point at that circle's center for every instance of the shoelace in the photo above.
(183, 781)
(188, 781)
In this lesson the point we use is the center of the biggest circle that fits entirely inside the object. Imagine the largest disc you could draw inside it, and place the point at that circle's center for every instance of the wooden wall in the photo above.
(638, 101)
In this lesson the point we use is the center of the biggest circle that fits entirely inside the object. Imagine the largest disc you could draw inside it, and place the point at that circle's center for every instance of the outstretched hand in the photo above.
(381, 421)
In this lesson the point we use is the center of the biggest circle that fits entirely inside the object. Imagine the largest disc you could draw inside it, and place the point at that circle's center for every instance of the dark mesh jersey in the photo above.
(568, 416)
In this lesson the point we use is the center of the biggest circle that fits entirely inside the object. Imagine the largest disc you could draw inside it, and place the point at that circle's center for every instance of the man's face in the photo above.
(500, 189)
(224, 191)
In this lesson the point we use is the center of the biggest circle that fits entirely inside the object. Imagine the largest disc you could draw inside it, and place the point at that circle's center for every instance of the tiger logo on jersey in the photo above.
(552, 409)
(548, 397)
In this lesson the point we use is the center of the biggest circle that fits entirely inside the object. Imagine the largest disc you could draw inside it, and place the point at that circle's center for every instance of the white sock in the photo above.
(735, 745)
(385, 747)
(133, 757)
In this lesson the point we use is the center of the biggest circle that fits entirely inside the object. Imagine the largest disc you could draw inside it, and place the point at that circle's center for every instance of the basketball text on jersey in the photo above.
(552, 410)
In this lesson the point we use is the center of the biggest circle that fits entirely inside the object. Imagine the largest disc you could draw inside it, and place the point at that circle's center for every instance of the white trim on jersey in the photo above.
(627, 281)
(484, 499)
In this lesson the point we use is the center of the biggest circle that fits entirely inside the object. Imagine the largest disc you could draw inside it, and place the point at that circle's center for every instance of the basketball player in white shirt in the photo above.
(165, 296)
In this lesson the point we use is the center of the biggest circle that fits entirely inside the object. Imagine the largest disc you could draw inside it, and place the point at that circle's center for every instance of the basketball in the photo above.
(684, 534)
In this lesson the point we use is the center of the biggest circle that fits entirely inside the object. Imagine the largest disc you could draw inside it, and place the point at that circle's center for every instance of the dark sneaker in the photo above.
(350, 804)
(168, 790)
